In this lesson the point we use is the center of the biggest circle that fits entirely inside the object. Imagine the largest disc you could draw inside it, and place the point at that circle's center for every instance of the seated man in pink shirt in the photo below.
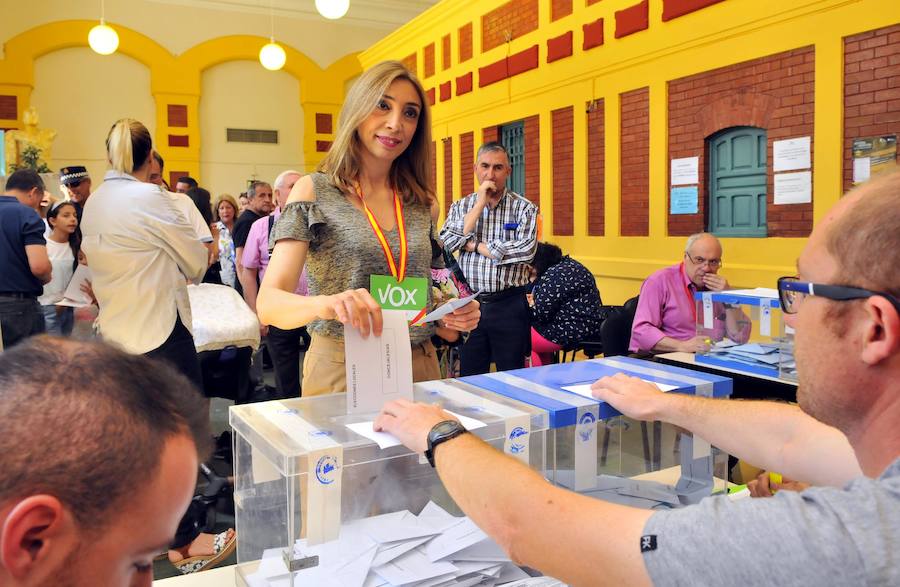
(665, 319)
(284, 345)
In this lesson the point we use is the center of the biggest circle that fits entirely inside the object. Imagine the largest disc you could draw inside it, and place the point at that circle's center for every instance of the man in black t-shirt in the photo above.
(259, 205)
(23, 257)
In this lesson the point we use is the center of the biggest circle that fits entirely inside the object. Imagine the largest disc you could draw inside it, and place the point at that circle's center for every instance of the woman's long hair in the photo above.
(411, 171)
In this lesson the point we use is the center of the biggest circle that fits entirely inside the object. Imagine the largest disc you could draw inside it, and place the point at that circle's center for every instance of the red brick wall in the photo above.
(445, 52)
(490, 133)
(635, 167)
(428, 60)
(9, 108)
(466, 162)
(465, 42)
(596, 169)
(871, 89)
(533, 159)
(507, 22)
(563, 122)
(775, 93)
(432, 185)
(448, 173)
(410, 62)
(560, 8)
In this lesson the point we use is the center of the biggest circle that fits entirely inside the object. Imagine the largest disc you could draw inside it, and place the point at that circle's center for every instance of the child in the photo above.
(62, 248)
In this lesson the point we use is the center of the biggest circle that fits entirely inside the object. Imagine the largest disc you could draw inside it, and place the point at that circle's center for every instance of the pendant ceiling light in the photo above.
(272, 55)
(103, 38)
(332, 9)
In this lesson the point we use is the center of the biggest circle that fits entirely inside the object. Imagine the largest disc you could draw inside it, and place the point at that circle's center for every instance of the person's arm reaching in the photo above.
(774, 436)
(452, 234)
(577, 539)
(39, 262)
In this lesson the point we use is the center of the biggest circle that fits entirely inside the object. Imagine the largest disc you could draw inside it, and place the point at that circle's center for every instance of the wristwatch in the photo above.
(442, 432)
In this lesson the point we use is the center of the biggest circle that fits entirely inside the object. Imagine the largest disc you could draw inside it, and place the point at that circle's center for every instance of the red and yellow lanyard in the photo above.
(398, 270)
(687, 290)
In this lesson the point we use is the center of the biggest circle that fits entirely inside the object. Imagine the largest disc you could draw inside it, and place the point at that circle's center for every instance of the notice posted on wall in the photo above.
(793, 188)
(791, 154)
(683, 200)
(872, 155)
(685, 171)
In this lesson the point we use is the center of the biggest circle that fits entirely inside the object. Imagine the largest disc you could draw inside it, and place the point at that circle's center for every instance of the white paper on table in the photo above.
(390, 551)
(385, 440)
(791, 154)
(446, 308)
(73, 296)
(584, 389)
(456, 538)
(412, 567)
(512, 572)
(379, 368)
(685, 171)
(486, 551)
(862, 169)
(793, 188)
(754, 348)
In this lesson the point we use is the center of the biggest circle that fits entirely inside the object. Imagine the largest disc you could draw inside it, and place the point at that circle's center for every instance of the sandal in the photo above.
(222, 548)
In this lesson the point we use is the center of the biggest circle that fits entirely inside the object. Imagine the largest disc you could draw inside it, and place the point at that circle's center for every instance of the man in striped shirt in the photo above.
(494, 230)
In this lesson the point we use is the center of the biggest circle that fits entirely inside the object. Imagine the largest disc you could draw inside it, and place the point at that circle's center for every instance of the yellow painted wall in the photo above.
(85, 100)
(241, 94)
(723, 34)
(109, 87)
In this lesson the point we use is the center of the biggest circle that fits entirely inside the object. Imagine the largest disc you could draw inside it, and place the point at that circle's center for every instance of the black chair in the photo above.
(615, 332)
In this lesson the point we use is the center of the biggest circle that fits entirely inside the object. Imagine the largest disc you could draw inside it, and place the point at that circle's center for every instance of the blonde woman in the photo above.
(141, 248)
(371, 188)
(225, 212)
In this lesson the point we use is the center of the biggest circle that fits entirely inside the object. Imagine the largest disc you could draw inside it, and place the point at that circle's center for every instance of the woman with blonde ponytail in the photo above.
(141, 250)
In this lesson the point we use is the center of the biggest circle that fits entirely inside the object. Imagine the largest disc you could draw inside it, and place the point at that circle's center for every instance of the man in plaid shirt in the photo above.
(495, 232)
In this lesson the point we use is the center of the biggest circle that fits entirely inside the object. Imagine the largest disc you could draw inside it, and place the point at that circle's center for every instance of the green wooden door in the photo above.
(737, 182)
(512, 136)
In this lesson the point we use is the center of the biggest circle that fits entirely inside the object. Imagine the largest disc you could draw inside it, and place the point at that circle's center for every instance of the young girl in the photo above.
(365, 212)
(62, 248)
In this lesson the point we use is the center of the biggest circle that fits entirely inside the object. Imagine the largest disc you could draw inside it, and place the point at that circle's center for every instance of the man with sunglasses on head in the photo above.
(666, 315)
(844, 438)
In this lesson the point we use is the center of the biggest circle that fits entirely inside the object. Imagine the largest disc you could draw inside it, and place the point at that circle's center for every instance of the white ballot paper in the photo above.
(379, 369)
(584, 389)
(447, 308)
(385, 440)
(73, 296)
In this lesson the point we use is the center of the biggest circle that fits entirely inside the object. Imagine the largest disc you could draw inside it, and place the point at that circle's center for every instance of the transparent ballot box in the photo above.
(746, 332)
(593, 449)
(317, 503)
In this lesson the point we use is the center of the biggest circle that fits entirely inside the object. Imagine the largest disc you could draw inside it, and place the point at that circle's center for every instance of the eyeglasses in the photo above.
(711, 263)
(792, 291)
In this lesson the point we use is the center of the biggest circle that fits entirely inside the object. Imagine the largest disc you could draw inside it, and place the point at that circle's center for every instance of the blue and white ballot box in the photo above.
(746, 332)
(593, 449)
(320, 499)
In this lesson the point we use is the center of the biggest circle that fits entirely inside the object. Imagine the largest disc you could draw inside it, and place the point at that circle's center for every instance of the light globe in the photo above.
(103, 39)
(272, 56)
(332, 9)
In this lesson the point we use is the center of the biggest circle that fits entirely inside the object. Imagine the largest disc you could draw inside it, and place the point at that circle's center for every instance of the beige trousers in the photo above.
(324, 371)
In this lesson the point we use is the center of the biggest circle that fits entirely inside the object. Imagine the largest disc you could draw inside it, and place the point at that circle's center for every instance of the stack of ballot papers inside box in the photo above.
(755, 354)
(432, 549)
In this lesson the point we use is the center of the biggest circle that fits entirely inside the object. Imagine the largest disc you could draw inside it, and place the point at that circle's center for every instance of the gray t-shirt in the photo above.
(822, 536)
(344, 252)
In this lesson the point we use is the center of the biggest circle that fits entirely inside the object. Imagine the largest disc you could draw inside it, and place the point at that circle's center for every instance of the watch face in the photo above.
(444, 428)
